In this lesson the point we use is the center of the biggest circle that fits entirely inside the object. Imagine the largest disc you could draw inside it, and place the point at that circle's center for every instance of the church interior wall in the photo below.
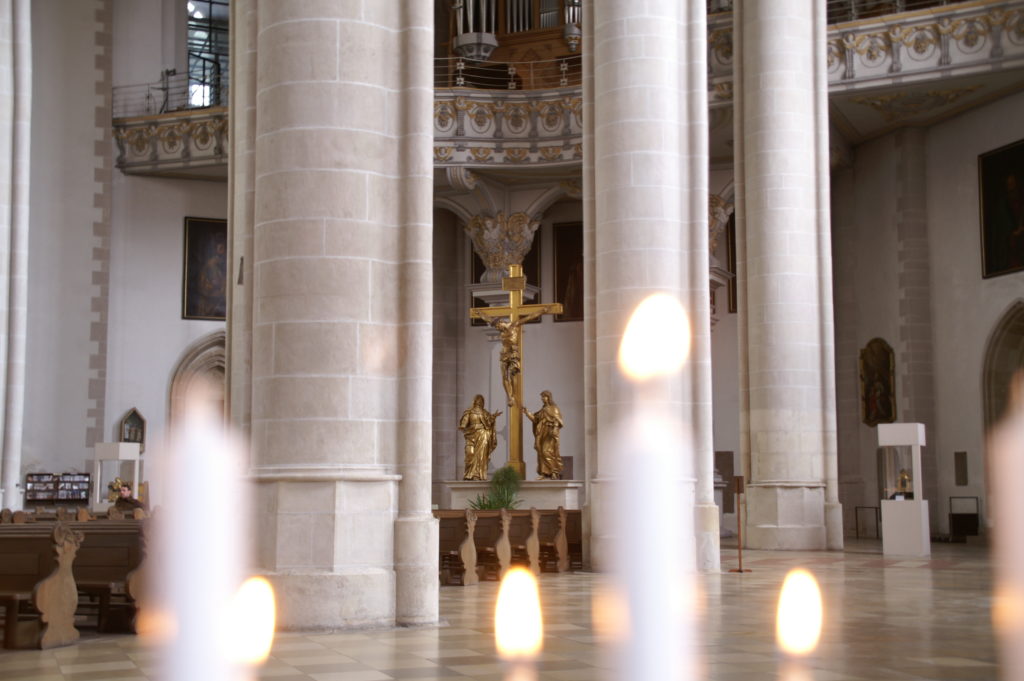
(147, 334)
(552, 359)
(866, 301)
(61, 241)
(449, 273)
(966, 306)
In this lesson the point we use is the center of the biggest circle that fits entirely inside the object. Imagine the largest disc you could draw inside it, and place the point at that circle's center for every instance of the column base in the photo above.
(327, 600)
(834, 526)
(417, 589)
(788, 517)
(709, 555)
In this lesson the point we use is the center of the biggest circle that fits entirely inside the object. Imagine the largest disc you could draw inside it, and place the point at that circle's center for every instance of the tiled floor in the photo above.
(885, 619)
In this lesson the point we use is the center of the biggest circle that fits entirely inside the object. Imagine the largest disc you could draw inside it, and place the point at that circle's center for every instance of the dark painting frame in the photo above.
(1001, 203)
(205, 269)
(568, 240)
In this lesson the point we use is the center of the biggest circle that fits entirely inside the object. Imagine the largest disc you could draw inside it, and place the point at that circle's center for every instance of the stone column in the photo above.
(15, 121)
(786, 331)
(241, 190)
(646, 208)
(341, 339)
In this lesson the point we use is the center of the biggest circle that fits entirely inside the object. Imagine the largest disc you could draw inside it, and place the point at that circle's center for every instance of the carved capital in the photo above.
(501, 241)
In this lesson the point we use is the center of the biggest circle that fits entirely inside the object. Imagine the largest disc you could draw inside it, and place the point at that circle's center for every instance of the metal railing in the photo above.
(450, 72)
(841, 11)
(173, 92)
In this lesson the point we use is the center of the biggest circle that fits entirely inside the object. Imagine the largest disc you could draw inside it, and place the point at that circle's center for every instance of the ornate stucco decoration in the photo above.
(719, 211)
(172, 142)
(950, 39)
(905, 104)
(501, 241)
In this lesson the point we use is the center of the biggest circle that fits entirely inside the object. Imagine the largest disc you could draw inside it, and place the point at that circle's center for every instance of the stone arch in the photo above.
(1004, 355)
(203, 363)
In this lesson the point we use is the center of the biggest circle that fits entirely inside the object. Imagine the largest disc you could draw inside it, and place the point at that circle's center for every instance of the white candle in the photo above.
(201, 548)
(654, 499)
(518, 624)
(1006, 456)
(798, 622)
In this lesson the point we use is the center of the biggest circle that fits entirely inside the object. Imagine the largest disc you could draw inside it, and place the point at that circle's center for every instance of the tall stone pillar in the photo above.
(645, 208)
(786, 330)
(16, 124)
(341, 309)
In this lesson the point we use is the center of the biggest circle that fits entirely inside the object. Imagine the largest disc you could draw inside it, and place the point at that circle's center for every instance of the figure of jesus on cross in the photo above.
(509, 320)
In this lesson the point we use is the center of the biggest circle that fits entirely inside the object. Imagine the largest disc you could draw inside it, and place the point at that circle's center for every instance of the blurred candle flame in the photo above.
(609, 612)
(251, 624)
(798, 624)
(657, 338)
(518, 625)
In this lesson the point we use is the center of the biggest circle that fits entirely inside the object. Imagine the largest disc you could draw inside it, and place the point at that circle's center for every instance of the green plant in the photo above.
(504, 488)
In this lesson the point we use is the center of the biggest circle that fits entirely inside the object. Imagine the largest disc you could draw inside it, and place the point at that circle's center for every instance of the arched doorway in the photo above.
(1003, 357)
(202, 364)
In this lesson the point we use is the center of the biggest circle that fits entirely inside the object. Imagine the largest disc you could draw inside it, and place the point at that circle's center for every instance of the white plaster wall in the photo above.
(60, 237)
(552, 360)
(147, 334)
(966, 307)
(139, 30)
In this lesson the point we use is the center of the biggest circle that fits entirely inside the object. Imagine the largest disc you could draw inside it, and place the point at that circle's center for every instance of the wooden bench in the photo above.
(535, 539)
(37, 587)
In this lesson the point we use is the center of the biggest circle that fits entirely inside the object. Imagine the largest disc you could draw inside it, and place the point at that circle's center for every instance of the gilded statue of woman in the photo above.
(547, 422)
(477, 424)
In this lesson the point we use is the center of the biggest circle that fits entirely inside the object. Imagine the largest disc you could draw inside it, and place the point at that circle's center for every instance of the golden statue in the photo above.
(511, 359)
(547, 422)
(477, 424)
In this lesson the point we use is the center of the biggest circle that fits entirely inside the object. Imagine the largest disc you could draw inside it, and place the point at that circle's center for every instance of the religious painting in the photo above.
(730, 256)
(133, 429)
(569, 270)
(531, 270)
(204, 282)
(877, 383)
(1001, 187)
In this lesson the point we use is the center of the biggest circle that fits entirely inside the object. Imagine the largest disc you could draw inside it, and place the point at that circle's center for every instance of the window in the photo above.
(207, 52)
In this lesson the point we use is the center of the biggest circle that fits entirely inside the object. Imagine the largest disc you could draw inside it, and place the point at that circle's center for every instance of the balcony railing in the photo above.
(490, 75)
(173, 92)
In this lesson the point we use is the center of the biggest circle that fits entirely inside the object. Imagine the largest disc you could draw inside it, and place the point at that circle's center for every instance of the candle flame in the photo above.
(657, 338)
(251, 622)
(798, 624)
(518, 625)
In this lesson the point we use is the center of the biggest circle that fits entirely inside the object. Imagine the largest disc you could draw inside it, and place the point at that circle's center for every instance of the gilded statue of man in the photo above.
(511, 361)
(547, 422)
(477, 424)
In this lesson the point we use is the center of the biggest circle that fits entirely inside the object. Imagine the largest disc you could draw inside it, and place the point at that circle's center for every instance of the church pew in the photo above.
(451, 534)
(110, 552)
(37, 587)
(574, 538)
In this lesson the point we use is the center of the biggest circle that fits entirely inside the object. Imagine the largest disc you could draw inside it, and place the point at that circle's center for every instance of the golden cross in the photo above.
(509, 320)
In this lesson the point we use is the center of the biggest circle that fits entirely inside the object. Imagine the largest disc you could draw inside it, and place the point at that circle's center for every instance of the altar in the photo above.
(541, 494)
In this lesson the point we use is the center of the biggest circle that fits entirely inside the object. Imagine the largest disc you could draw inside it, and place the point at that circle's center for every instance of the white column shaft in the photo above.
(782, 206)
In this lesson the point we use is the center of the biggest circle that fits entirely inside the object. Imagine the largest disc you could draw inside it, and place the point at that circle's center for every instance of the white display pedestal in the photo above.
(905, 529)
(540, 494)
(105, 452)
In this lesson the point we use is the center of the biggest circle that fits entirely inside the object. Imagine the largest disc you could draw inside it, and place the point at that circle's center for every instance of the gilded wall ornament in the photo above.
(501, 241)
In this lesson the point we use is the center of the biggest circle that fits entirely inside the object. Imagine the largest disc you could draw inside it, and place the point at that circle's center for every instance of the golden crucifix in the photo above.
(509, 320)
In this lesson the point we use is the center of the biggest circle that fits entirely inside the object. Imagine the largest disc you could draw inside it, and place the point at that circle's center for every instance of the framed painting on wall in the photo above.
(1001, 200)
(204, 281)
(877, 383)
(569, 271)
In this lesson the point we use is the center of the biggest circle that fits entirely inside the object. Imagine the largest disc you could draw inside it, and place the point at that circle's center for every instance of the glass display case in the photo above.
(896, 473)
